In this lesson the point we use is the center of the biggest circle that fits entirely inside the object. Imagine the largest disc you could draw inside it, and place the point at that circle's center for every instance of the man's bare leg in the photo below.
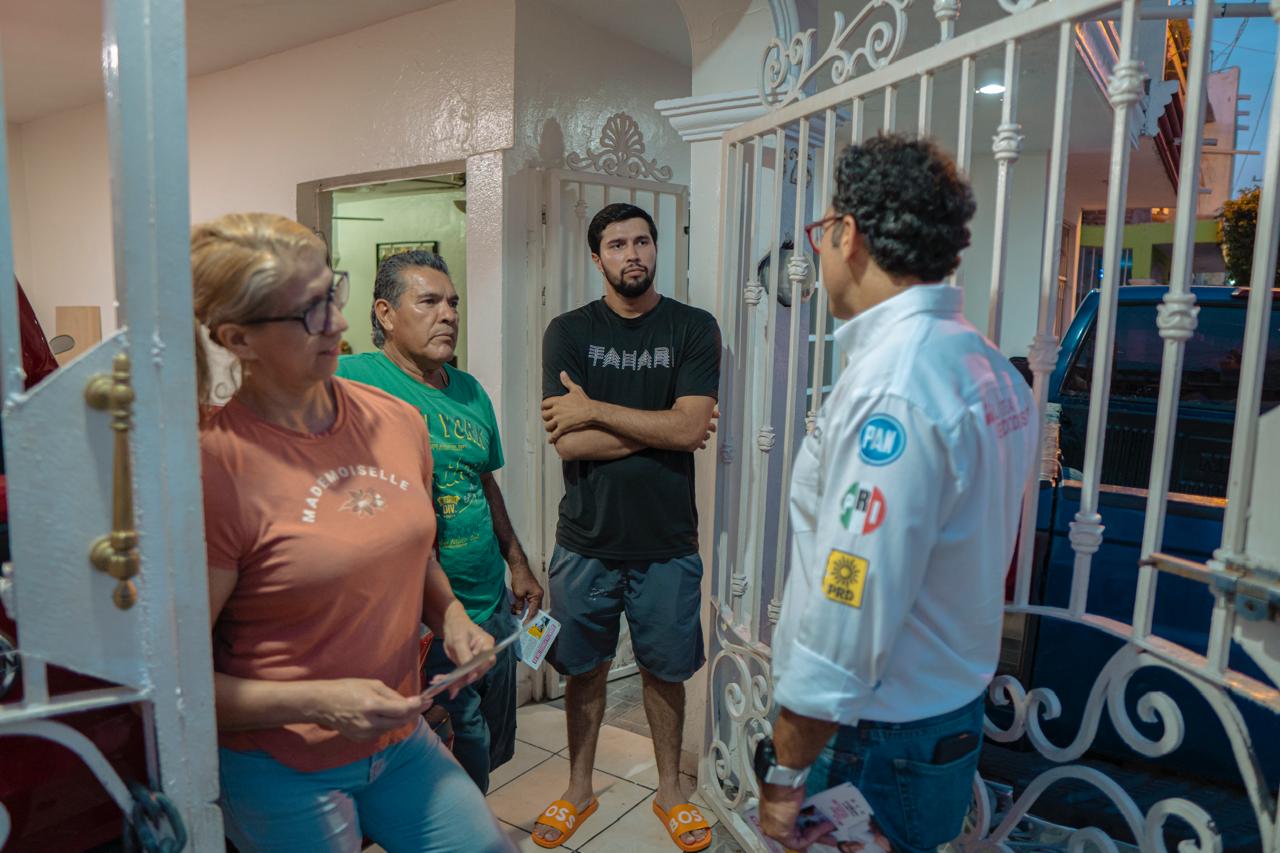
(584, 699)
(664, 708)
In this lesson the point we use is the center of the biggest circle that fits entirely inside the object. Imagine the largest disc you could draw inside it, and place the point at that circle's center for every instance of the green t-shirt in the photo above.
(464, 445)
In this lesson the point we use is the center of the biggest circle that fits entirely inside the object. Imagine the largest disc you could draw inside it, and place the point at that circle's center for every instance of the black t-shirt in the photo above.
(640, 507)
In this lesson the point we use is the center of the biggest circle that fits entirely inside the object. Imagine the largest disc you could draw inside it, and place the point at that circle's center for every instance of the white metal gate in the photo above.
(75, 492)
(773, 389)
(569, 280)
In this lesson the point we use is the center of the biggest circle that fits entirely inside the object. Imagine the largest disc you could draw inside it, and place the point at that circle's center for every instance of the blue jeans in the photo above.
(918, 804)
(483, 714)
(411, 797)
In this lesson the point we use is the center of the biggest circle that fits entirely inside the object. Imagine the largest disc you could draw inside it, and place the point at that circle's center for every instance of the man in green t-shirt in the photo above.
(415, 325)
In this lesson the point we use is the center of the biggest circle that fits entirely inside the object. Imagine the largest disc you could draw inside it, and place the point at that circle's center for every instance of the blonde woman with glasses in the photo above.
(320, 531)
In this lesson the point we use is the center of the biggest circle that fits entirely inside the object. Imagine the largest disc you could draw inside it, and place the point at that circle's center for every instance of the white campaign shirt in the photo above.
(904, 509)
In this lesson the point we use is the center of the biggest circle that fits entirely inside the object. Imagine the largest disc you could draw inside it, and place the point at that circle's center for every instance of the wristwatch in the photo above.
(770, 772)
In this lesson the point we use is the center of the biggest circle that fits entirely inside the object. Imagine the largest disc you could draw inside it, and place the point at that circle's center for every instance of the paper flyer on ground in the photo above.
(843, 808)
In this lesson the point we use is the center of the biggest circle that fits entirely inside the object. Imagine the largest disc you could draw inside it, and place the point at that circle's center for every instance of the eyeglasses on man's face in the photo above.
(814, 230)
(317, 317)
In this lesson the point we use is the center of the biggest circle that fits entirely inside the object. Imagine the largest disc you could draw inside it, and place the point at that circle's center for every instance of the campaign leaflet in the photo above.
(843, 809)
(536, 639)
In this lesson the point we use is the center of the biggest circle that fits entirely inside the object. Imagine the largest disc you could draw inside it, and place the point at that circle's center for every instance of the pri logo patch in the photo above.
(866, 500)
(846, 576)
(881, 440)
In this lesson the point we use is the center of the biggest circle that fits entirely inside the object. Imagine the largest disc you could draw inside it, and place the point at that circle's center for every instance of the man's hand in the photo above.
(711, 427)
(779, 808)
(525, 589)
(567, 412)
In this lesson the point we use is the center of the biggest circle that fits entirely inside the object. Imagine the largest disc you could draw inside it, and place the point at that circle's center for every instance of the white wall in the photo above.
(429, 87)
(1026, 234)
(18, 204)
(405, 217)
(576, 75)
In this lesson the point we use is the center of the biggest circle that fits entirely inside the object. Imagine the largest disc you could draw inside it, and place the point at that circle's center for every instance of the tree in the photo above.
(1238, 223)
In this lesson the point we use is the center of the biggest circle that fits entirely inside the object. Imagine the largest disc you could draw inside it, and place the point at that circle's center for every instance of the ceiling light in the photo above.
(992, 89)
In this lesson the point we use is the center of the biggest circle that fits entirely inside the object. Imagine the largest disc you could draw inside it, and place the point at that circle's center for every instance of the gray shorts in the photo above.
(663, 603)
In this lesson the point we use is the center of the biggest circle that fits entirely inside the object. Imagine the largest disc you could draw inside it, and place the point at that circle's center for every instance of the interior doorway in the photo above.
(365, 218)
(374, 221)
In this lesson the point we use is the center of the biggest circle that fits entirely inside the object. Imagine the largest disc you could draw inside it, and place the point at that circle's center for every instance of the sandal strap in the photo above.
(560, 815)
(685, 818)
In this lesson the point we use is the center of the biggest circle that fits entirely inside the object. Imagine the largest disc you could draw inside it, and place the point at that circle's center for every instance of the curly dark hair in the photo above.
(909, 201)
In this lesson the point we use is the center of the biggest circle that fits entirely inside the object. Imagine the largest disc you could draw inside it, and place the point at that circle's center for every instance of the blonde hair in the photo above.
(238, 262)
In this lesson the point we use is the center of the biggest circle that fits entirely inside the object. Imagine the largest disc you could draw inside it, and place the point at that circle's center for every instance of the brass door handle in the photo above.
(117, 552)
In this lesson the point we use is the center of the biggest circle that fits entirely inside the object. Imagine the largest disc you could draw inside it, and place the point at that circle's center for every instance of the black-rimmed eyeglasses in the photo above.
(317, 318)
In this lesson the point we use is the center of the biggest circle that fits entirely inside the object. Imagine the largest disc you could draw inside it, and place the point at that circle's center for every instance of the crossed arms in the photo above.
(586, 429)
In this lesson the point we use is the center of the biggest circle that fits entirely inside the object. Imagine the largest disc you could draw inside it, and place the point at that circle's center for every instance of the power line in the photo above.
(1235, 41)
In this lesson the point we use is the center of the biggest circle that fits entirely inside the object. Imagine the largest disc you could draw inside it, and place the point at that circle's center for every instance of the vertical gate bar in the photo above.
(730, 219)
(857, 115)
(1176, 315)
(1125, 90)
(145, 71)
(946, 11)
(682, 245)
(766, 435)
(752, 344)
(820, 202)
(924, 118)
(1244, 440)
(583, 265)
(964, 135)
(1006, 146)
(12, 376)
(793, 343)
(1044, 346)
(890, 108)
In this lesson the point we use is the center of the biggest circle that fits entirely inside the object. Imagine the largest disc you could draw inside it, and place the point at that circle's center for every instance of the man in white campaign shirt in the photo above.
(905, 503)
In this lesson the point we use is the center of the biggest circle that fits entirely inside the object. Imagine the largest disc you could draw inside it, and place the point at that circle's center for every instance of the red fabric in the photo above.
(37, 357)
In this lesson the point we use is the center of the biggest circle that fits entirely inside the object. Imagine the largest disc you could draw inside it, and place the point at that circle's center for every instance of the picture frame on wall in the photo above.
(386, 250)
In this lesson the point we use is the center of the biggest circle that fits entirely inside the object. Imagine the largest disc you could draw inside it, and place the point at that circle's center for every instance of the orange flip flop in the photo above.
(562, 816)
(681, 819)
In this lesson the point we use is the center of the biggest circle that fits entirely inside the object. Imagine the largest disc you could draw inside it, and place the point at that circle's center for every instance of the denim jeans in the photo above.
(918, 804)
(483, 714)
(410, 798)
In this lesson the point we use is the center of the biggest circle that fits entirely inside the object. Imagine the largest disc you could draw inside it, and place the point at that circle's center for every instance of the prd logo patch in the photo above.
(846, 576)
(881, 440)
(866, 500)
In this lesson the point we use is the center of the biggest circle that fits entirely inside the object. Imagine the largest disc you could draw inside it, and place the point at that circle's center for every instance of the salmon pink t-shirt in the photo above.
(330, 536)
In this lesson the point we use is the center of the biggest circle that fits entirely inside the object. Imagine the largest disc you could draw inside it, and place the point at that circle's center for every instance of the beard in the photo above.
(630, 289)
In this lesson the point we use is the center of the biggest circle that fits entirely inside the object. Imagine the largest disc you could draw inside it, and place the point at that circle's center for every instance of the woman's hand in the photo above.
(362, 709)
(463, 640)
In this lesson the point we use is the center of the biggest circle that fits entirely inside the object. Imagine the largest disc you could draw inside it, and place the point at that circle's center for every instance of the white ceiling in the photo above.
(52, 48)
(658, 25)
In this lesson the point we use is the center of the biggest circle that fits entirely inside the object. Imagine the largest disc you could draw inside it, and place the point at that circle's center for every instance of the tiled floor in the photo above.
(624, 782)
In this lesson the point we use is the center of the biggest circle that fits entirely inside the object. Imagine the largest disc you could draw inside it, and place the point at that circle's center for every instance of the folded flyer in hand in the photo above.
(536, 638)
(843, 808)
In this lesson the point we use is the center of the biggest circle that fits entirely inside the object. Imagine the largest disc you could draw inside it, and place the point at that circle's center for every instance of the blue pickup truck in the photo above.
(1067, 657)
